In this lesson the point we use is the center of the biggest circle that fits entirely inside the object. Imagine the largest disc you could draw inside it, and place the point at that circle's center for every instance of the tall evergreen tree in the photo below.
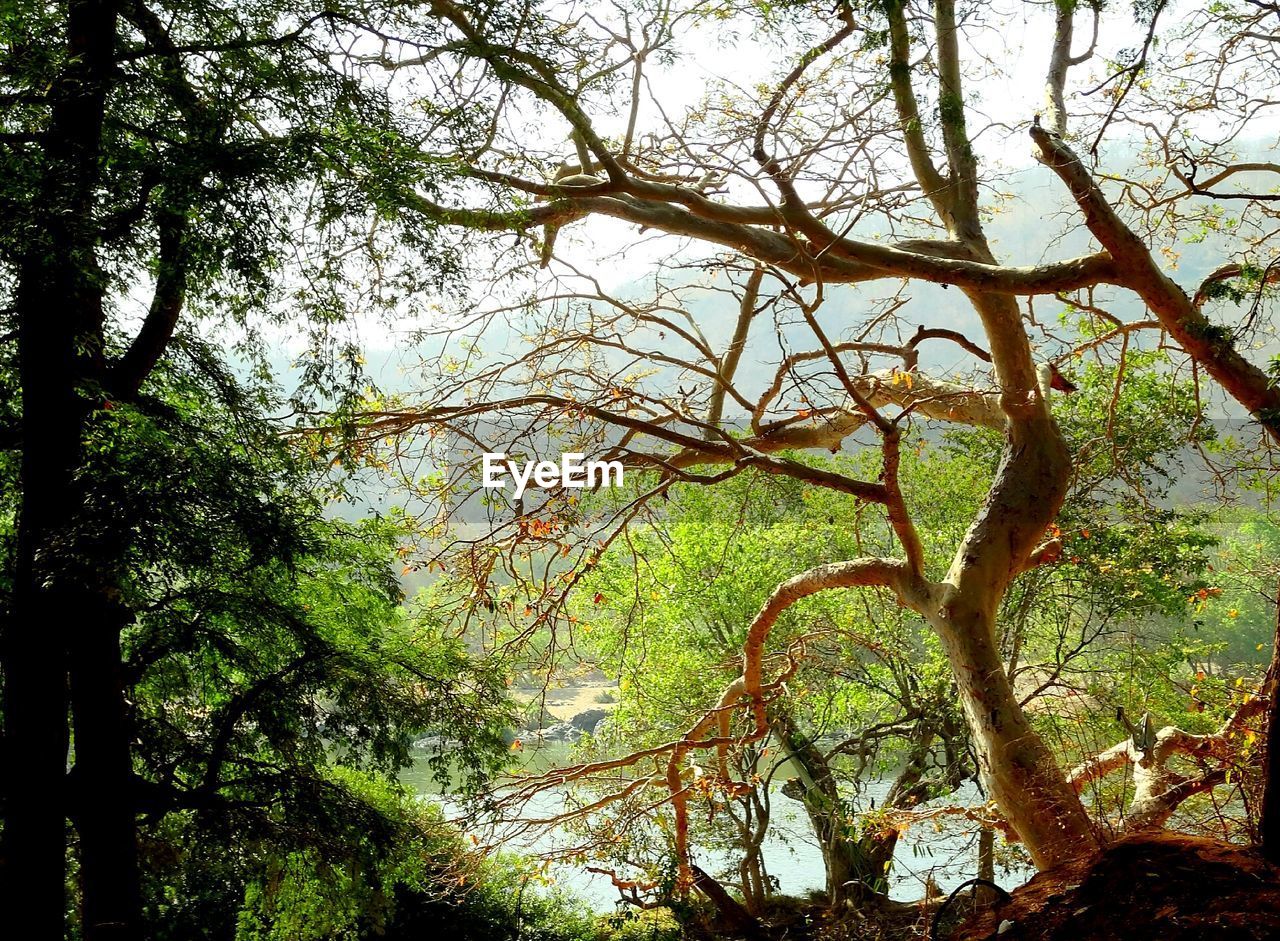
(153, 156)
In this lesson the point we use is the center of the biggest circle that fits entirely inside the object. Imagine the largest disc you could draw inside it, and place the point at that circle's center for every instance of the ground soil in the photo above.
(1164, 886)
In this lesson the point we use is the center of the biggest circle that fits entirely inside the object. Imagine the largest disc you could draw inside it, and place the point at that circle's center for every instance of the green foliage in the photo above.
(668, 616)
(1246, 284)
(667, 611)
(279, 177)
(673, 616)
(1240, 621)
(425, 881)
(504, 899)
(276, 681)
(653, 924)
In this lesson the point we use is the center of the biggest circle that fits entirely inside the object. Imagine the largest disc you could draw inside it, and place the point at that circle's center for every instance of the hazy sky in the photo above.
(1005, 49)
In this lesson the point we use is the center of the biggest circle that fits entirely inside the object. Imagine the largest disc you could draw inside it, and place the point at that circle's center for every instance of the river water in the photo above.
(947, 853)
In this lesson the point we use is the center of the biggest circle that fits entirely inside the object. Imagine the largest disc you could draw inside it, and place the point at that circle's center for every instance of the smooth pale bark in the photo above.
(1016, 766)
(987, 854)
(1159, 789)
(1030, 484)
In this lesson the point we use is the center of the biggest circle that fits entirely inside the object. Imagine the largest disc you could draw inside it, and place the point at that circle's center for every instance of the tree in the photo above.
(872, 697)
(664, 610)
(764, 177)
(1189, 712)
(274, 679)
(157, 150)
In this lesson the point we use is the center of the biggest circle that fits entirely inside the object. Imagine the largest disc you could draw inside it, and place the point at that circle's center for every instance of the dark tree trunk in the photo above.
(62, 614)
(104, 798)
(733, 914)
(35, 693)
(857, 864)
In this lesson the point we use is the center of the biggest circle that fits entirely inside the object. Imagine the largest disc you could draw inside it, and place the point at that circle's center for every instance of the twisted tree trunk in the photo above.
(1018, 769)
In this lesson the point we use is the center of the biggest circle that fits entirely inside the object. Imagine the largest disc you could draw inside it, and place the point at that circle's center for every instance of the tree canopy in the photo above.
(936, 340)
